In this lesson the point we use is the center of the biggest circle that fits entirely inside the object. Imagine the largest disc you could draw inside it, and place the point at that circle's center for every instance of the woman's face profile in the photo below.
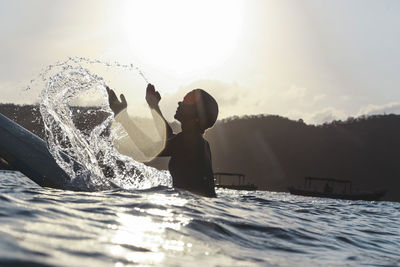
(187, 108)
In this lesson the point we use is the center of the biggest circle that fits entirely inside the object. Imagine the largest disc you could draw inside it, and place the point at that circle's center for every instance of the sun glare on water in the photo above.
(181, 36)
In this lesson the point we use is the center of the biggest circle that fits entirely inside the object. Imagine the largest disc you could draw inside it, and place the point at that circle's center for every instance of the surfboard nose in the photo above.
(29, 154)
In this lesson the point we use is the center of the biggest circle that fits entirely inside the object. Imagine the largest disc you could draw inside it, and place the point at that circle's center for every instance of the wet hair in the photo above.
(207, 109)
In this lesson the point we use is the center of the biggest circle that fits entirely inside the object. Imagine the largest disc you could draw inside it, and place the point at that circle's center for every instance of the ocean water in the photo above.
(163, 226)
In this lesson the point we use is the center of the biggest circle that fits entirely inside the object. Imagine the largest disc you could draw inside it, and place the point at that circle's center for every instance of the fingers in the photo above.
(123, 100)
(152, 91)
(112, 97)
(150, 87)
(110, 93)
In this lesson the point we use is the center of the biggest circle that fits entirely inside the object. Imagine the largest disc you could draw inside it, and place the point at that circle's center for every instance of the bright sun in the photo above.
(182, 36)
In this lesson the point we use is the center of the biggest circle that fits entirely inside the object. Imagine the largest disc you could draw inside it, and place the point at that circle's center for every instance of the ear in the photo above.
(202, 123)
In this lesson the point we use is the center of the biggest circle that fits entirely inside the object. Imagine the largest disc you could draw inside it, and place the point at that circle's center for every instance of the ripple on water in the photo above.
(171, 227)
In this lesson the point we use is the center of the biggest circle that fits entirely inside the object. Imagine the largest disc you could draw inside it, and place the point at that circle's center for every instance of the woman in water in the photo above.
(190, 162)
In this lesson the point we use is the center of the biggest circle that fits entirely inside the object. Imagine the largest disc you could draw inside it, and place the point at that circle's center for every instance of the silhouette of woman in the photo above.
(190, 163)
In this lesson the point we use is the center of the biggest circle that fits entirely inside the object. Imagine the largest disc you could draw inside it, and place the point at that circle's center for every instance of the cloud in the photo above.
(331, 114)
(225, 93)
(37, 34)
(298, 102)
(317, 116)
(295, 92)
(231, 97)
(294, 102)
(326, 115)
(389, 108)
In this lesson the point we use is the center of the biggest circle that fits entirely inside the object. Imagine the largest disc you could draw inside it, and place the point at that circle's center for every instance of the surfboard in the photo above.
(30, 155)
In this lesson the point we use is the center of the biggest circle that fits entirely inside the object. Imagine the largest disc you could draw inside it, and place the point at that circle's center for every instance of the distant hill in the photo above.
(275, 152)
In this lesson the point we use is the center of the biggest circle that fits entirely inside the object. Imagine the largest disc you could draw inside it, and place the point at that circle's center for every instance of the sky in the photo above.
(309, 59)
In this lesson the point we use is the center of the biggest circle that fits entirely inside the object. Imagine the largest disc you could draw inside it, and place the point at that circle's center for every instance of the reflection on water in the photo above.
(142, 238)
(167, 227)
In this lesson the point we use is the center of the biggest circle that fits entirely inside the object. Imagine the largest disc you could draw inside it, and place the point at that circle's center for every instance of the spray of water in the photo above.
(89, 156)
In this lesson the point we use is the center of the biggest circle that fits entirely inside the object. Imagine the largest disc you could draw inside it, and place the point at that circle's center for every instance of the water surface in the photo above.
(166, 227)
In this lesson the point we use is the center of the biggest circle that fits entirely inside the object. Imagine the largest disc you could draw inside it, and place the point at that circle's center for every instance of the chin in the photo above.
(176, 117)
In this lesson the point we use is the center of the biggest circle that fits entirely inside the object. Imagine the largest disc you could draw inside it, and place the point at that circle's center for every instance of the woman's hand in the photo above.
(152, 96)
(116, 105)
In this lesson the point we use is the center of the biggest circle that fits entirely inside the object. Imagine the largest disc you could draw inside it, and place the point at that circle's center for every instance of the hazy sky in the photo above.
(311, 59)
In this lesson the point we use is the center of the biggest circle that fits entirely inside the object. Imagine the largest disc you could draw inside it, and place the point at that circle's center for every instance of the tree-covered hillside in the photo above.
(276, 152)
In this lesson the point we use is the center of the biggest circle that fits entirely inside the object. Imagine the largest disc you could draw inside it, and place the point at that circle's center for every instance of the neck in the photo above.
(191, 127)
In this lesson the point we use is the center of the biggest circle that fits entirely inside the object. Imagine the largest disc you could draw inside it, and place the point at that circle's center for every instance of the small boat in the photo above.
(227, 180)
(330, 190)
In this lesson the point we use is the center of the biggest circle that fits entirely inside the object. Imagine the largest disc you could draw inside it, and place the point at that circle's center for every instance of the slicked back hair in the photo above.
(207, 109)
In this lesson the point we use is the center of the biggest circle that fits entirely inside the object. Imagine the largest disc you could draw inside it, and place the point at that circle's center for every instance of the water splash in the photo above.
(89, 156)
(46, 72)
